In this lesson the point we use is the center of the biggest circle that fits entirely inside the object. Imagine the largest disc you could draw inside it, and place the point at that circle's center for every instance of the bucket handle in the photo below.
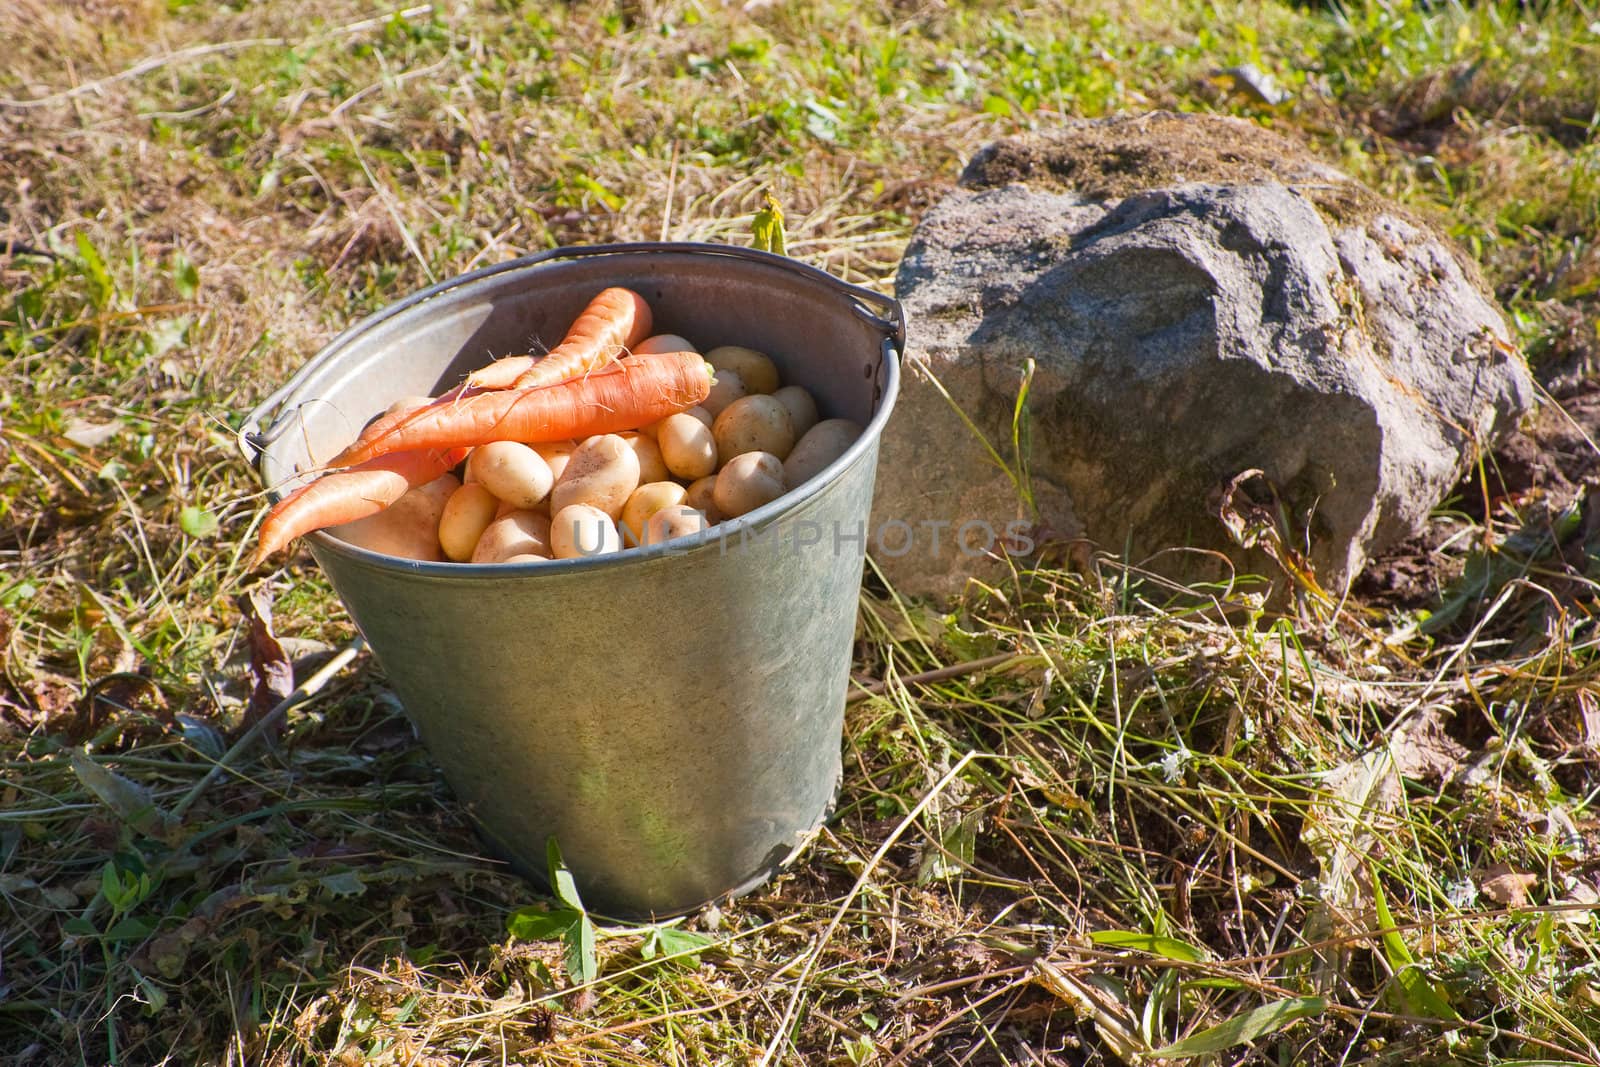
(888, 318)
(892, 320)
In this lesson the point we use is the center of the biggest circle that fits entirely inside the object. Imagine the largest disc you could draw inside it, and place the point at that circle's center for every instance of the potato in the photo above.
(746, 482)
(822, 444)
(755, 370)
(677, 520)
(700, 498)
(645, 502)
(654, 429)
(602, 472)
(652, 468)
(726, 387)
(756, 423)
(408, 528)
(516, 533)
(663, 342)
(511, 471)
(467, 513)
(582, 530)
(687, 446)
(556, 455)
(526, 557)
(801, 407)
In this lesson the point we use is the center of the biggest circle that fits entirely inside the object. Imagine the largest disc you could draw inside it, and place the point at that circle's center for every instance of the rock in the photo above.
(1201, 299)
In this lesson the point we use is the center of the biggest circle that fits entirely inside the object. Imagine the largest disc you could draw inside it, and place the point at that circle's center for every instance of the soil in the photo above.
(1112, 158)
(1536, 472)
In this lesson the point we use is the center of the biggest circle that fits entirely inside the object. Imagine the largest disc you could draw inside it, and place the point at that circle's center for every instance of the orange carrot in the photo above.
(622, 396)
(384, 424)
(614, 321)
(351, 494)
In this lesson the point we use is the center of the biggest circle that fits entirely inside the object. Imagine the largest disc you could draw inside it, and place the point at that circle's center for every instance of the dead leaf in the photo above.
(1113, 1018)
(1342, 826)
(1423, 751)
(1506, 886)
(52, 697)
(1583, 991)
(1253, 525)
(88, 434)
(271, 670)
(582, 1001)
(1589, 707)
(1563, 832)
(1586, 897)
(1342, 823)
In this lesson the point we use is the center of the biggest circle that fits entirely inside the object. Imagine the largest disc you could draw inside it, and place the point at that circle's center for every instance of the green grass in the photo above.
(1159, 816)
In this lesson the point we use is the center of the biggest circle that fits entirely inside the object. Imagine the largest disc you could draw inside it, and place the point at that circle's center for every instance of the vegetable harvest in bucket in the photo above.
(614, 438)
(614, 322)
(623, 396)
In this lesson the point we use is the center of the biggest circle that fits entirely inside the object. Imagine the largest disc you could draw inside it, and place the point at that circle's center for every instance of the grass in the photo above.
(1364, 837)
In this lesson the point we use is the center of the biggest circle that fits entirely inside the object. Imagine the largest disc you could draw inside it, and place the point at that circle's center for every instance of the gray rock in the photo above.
(1249, 309)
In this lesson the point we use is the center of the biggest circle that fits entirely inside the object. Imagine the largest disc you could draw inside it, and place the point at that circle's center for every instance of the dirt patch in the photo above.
(1552, 459)
(1538, 472)
(1112, 158)
(1569, 354)
(1410, 575)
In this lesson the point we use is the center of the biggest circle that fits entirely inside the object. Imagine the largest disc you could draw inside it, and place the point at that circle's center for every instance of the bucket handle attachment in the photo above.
(882, 312)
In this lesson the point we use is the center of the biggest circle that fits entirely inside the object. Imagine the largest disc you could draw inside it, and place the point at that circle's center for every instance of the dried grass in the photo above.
(1155, 811)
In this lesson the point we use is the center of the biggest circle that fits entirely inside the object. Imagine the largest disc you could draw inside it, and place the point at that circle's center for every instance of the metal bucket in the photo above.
(671, 715)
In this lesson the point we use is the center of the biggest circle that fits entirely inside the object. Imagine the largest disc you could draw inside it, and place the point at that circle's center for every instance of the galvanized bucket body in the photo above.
(671, 715)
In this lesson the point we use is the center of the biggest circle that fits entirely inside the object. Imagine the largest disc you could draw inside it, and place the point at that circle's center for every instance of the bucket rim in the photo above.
(255, 441)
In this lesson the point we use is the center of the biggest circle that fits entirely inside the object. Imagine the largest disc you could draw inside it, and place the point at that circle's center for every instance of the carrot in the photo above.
(351, 494)
(623, 396)
(383, 424)
(614, 321)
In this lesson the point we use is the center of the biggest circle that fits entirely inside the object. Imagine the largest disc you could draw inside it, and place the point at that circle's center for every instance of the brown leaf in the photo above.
(271, 670)
(582, 1002)
(1586, 897)
(47, 699)
(1253, 525)
(1423, 751)
(1089, 999)
(1505, 886)
(1589, 707)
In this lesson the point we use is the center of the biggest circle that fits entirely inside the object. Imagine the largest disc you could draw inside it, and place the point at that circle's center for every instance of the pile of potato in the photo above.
(751, 441)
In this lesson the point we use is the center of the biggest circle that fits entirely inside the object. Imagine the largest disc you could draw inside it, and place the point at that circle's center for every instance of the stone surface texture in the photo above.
(1200, 298)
